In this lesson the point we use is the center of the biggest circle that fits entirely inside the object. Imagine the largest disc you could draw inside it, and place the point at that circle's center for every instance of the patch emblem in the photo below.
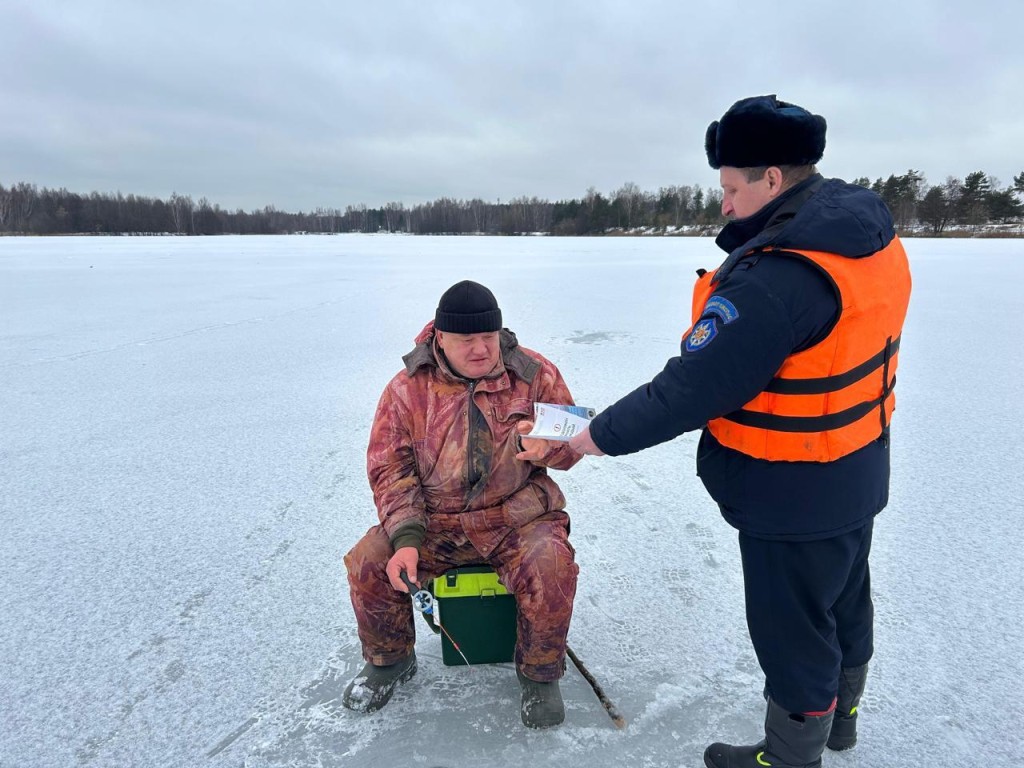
(701, 335)
(725, 309)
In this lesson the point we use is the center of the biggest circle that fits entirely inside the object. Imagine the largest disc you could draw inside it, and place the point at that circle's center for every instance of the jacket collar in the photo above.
(742, 236)
(816, 215)
(770, 219)
(426, 354)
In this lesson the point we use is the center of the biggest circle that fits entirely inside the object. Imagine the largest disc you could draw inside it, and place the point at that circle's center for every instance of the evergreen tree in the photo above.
(1002, 207)
(973, 208)
(934, 210)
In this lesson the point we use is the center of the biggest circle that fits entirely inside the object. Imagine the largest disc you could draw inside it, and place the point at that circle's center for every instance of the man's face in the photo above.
(742, 198)
(471, 355)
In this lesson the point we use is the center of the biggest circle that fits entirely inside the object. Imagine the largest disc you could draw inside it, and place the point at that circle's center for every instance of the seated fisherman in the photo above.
(455, 484)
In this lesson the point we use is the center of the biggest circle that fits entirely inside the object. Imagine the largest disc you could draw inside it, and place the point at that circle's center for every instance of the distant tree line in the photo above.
(968, 204)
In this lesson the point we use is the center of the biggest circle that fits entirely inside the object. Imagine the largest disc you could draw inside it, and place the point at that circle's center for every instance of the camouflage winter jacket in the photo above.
(442, 445)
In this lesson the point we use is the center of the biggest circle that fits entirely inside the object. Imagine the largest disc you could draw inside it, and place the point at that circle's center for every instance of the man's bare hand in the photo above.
(533, 448)
(583, 443)
(405, 559)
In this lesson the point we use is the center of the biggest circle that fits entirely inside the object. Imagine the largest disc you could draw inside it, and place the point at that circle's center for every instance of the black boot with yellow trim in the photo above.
(844, 725)
(791, 741)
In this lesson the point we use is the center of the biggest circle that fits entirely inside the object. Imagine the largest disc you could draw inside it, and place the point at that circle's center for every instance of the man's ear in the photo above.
(439, 338)
(775, 179)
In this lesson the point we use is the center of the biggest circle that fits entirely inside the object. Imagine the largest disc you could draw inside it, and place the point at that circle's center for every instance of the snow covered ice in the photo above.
(182, 439)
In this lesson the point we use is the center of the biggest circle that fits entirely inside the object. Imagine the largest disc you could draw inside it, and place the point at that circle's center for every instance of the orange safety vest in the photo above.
(837, 396)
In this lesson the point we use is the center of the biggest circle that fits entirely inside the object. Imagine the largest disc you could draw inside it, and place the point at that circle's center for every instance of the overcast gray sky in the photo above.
(303, 104)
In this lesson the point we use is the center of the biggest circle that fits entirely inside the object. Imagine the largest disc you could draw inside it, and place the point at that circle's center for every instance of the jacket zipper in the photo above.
(471, 438)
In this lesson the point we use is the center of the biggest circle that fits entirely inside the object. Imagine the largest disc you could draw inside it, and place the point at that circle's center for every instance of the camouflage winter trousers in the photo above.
(535, 562)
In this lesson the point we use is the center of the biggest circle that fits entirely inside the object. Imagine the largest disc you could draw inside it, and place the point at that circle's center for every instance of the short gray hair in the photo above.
(791, 174)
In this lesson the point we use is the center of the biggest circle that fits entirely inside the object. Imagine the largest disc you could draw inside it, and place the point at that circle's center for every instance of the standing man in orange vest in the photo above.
(789, 368)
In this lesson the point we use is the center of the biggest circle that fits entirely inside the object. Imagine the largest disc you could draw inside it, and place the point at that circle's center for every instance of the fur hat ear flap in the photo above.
(711, 145)
(762, 130)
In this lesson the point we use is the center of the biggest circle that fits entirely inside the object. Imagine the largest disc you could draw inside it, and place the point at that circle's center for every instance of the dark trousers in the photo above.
(809, 613)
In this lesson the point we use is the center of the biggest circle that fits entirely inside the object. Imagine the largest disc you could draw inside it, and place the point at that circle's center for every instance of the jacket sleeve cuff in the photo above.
(601, 439)
(408, 536)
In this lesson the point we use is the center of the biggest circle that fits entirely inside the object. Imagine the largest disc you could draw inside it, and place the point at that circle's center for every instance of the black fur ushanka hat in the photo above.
(763, 131)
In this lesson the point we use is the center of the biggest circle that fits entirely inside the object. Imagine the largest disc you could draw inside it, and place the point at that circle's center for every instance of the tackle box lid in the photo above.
(470, 581)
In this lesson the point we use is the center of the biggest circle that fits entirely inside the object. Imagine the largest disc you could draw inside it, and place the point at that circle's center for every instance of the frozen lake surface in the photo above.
(183, 425)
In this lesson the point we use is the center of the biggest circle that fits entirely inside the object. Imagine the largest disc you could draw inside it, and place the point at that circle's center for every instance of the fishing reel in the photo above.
(422, 600)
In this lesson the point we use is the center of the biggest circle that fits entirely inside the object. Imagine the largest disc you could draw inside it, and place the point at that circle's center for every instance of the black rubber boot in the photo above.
(844, 725)
(542, 705)
(371, 689)
(790, 741)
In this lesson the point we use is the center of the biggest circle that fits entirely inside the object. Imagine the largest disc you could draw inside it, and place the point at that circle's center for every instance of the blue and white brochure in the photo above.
(553, 421)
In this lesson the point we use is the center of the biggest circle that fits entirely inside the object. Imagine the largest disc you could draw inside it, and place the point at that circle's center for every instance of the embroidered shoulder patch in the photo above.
(701, 335)
(725, 309)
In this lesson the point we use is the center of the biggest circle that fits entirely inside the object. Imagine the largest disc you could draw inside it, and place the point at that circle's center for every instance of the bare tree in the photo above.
(181, 212)
(6, 202)
(393, 213)
(628, 199)
(23, 202)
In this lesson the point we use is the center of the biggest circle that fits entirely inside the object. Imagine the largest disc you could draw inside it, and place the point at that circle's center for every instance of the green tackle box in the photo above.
(477, 613)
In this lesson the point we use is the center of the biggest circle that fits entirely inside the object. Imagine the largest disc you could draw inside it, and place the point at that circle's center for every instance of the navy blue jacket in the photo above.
(783, 305)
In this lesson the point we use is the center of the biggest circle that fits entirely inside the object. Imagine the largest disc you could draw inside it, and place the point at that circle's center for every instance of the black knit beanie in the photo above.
(467, 307)
(763, 131)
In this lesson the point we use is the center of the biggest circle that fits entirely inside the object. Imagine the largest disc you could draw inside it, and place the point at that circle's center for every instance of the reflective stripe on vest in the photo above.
(837, 396)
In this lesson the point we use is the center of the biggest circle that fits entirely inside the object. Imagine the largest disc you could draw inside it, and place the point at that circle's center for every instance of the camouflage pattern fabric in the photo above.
(535, 562)
(442, 444)
(442, 466)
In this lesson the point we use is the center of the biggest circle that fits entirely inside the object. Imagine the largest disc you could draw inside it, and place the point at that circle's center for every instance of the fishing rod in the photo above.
(609, 707)
(423, 602)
